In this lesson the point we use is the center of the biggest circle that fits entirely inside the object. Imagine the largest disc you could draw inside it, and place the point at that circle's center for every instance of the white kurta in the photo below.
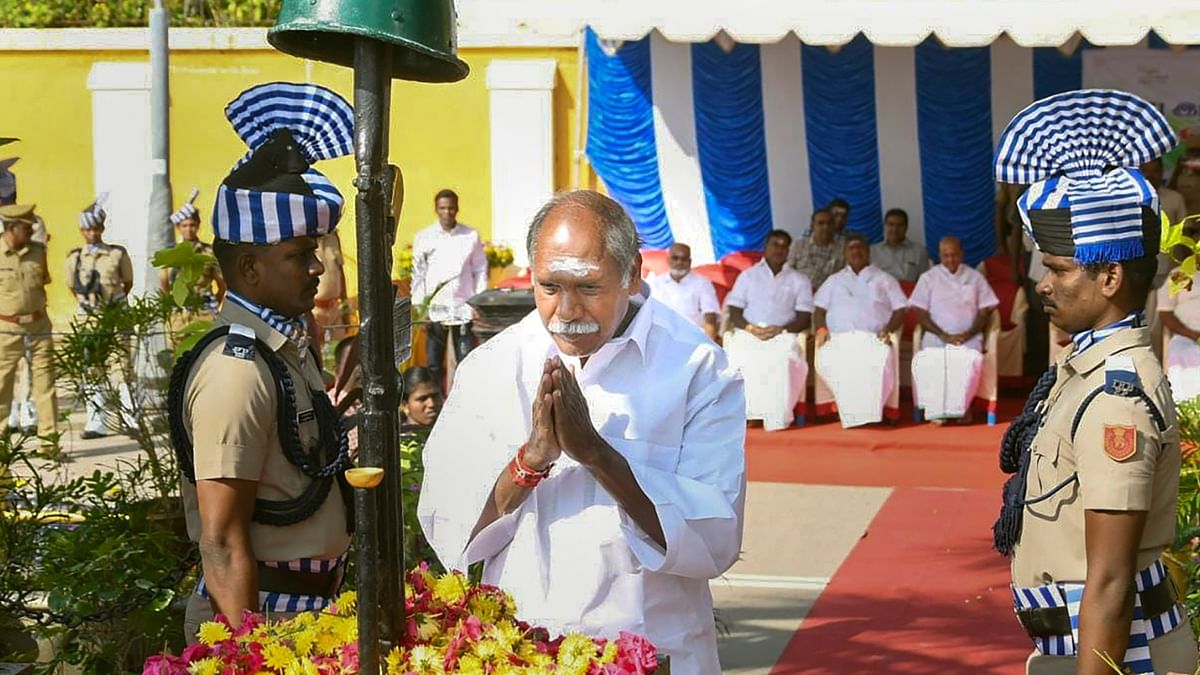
(693, 296)
(455, 258)
(857, 367)
(665, 398)
(769, 299)
(1183, 355)
(946, 377)
(775, 370)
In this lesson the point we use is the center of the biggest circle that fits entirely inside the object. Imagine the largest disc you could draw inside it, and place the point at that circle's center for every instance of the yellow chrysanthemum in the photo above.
(427, 628)
(450, 588)
(304, 640)
(208, 666)
(327, 643)
(211, 633)
(346, 603)
(423, 659)
(471, 665)
(277, 657)
(609, 654)
(395, 662)
(506, 633)
(489, 651)
(484, 607)
(346, 629)
(426, 576)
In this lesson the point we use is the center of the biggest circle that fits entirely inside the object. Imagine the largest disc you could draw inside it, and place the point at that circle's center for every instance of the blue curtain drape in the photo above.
(727, 99)
(620, 135)
(843, 151)
(954, 130)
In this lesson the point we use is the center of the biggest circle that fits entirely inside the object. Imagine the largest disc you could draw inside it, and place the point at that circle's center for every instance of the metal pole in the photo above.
(160, 234)
(380, 617)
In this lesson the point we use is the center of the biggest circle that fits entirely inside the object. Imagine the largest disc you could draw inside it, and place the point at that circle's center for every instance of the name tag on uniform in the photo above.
(306, 416)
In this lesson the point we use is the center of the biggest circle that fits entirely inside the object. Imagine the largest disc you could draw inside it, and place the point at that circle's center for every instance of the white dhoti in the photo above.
(861, 373)
(1183, 368)
(945, 380)
(774, 372)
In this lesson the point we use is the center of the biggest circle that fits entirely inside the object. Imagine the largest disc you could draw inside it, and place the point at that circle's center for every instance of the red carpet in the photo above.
(921, 593)
(909, 455)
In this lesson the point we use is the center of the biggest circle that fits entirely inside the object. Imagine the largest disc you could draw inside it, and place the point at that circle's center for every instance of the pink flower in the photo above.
(636, 652)
(250, 621)
(195, 652)
(350, 657)
(164, 664)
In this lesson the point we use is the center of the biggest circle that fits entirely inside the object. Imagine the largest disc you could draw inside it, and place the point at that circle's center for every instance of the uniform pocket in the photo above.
(1045, 463)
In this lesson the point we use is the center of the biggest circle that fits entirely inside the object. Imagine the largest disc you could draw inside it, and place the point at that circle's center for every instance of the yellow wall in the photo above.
(439, 135)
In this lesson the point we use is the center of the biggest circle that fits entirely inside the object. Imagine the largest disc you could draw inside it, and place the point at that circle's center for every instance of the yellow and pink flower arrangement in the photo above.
(453, 627)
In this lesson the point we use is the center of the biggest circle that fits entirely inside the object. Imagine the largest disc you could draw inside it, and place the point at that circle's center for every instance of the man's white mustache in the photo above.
(573, 327)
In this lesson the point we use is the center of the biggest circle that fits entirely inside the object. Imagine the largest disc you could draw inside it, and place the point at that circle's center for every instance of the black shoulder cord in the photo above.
(332, 436)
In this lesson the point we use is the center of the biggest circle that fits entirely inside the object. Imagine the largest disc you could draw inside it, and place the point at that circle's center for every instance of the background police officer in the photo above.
(264, 494)
(1095, 454)
(24, 275)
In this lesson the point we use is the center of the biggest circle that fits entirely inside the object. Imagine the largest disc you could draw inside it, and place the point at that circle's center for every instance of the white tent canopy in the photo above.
(893, 23)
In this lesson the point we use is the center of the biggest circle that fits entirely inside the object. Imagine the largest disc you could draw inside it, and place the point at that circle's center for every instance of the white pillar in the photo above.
(521, 96)
(121, 157)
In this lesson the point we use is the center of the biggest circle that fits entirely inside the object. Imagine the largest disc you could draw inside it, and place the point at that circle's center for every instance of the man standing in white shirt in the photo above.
(602, 483)
(1180, 314)
(691, 295)
(770, 308)
(898, 255)
(856, 312)
(953, 303)
(448, 264)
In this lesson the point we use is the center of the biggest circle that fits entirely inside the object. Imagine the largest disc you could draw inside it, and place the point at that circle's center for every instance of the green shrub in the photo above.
(114, 13)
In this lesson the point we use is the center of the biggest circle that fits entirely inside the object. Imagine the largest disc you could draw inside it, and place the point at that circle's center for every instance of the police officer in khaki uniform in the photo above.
(24, 275)
(98, 273)
(264, 492)
(1095, 455)
(187, 224)
(23, 415)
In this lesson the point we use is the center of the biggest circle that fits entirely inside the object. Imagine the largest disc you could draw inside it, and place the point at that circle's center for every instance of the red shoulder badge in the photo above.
(1120, 441)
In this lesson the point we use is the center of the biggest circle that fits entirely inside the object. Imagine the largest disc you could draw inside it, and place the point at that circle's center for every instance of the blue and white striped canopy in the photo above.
(715, 148)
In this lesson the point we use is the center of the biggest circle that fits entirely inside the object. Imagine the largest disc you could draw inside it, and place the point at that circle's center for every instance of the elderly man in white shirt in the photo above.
(691, 295)
(856, 312)
(592, 455)
(770, 307)
(1180, 314)
(448, 264)
(953, 302)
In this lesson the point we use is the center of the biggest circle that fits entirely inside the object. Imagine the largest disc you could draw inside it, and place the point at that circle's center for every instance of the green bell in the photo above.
(422, 31)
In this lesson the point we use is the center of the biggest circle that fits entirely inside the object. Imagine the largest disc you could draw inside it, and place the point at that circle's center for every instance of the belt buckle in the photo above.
(23, 319)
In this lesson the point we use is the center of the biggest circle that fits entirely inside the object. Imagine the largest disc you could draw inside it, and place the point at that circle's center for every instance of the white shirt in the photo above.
(1185, 305)
(455, 257)
(863, 301)
(664, 397)
(769, 299)
(953, 301)
(693, 296)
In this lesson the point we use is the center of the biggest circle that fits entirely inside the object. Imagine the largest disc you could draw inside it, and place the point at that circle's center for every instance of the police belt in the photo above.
(1049, 622)
(297, 582)
(22, 319)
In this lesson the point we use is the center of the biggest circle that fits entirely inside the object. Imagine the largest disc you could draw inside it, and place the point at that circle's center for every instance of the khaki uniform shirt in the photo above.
(1051, 547)
(230, 415)
(204, 285)
(113, 264)
(23, 279)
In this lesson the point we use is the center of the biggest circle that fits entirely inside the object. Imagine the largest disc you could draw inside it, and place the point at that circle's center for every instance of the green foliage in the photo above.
(101, 559)
(416, 548)
(1186, 551)
(114, 13)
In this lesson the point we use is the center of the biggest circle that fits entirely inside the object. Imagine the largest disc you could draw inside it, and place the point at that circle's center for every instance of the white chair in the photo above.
(989, 387)
(823, 395)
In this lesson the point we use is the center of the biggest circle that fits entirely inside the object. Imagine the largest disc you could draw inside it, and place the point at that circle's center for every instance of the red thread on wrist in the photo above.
(522, 474)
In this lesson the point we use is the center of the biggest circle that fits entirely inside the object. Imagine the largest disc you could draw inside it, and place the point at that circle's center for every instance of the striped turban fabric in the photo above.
(188, 211)
(1078, 152)
(94, 215)
(273, 194)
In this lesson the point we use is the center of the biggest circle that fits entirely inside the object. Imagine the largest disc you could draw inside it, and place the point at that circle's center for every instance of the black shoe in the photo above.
(12, 430)
(88, 435)
(29, 431)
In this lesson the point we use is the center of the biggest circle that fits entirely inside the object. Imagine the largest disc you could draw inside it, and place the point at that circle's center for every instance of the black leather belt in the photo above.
(295, 582)
(1047, 622)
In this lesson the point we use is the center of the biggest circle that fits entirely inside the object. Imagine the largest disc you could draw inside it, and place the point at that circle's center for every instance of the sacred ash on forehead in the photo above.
(576, 267)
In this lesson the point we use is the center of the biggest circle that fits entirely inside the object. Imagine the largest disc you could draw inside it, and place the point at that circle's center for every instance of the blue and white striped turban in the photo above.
(1079, 151)
(188, 210)
(273, 194)
(94, 215)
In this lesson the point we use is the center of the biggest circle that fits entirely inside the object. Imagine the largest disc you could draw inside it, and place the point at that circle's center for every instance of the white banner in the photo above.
(1167, 79)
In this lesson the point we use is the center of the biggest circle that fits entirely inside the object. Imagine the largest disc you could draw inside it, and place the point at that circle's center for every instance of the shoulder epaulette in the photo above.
(75, 251)
(239, 343)
(1120, 376)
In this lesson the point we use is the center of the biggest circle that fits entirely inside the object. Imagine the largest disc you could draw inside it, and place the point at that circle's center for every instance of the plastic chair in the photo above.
(655, 261)
(742, 260)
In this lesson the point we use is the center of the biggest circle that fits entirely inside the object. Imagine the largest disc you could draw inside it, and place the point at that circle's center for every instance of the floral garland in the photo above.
(453, 627)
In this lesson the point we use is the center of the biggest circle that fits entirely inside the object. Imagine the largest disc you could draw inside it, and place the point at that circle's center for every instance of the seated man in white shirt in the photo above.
(953, 302)
(691, 295)
(592, 455)
(857, 309)
(770, 307)
(1180, 314)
